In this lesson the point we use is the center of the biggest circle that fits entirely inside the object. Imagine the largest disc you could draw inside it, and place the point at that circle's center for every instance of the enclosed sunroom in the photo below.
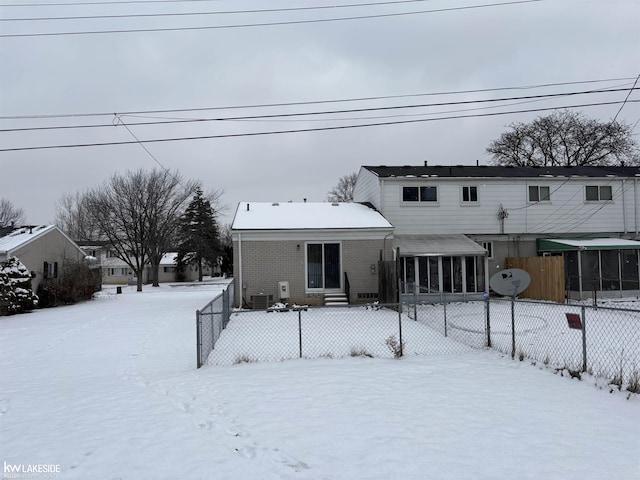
(606, 267)
(440, 267)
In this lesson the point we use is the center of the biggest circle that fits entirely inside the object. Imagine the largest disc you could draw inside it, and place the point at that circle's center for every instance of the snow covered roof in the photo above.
(169, 258)
(555, 244)
(308, 215)
(437, 245)
(23, 235)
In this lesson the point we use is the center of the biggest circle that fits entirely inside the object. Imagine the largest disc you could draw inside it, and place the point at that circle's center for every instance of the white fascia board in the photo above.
(304, 235)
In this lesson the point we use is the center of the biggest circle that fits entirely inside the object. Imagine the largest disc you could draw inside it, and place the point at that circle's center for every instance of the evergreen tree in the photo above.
(199, 235)
(19, 279)
(7, 295)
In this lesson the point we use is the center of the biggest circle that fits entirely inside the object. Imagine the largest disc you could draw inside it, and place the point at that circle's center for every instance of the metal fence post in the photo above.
(513, 327)
(198, 339)
(444, 307)
(584, 339)
(400, 328)
(300, 330)
(415, 303)
(488, 314)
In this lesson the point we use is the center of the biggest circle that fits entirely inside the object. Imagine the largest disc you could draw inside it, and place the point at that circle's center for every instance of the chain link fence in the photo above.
(384, 331)
(603, 341)
(211, 320)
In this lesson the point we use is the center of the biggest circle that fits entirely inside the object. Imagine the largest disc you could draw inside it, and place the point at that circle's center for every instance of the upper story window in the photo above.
(419, 194)
(598, 193)
(539, 194)
(469, 194)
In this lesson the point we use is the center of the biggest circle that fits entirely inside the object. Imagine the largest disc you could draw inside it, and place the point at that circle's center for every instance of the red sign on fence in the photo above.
(574, 321)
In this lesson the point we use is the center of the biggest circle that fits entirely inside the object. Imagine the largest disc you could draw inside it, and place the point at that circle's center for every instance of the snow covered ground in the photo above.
(108, 390)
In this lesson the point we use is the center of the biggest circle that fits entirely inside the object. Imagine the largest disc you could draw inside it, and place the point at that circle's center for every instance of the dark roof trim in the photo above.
(463, 171)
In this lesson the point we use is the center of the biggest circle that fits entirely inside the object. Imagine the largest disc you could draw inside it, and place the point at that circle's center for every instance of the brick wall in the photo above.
(265, 263)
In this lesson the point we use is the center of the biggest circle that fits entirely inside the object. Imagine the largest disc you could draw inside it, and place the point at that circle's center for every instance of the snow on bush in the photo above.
(16, 293)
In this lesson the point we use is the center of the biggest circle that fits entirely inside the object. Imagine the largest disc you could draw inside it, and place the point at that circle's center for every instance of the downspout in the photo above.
(384, 245)
(240, 287)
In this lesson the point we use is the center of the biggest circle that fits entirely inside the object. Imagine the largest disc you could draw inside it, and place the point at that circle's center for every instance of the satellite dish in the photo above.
(510, 282)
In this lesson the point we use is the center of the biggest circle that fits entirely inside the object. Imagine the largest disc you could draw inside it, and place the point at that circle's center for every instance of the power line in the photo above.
(307, 130)
(326, 112)
(225, 12)
(137, 140)
(268, 24)
(633, 87)
(316, 102)
(126, 2)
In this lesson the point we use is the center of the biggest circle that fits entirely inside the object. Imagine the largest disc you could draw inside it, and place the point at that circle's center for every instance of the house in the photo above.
(45, 250)
(116, 271)
(454, 226)
(306, 253)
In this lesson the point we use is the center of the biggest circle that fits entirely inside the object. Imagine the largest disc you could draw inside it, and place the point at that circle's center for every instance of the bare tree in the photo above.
(566, 139)
(72, 216)
(10, 215)
(137, 212)
(343, 191)
(169, 195)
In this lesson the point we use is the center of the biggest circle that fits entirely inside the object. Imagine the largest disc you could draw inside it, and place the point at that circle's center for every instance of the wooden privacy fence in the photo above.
(547, 277)
(387, 282)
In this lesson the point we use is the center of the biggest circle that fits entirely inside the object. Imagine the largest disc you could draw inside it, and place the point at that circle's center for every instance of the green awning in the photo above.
(558, 245)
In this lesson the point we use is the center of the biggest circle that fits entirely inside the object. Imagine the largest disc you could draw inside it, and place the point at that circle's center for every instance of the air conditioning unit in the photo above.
(260, 301)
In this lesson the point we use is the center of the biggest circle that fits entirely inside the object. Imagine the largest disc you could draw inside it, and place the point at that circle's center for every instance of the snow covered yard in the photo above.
(108, 390)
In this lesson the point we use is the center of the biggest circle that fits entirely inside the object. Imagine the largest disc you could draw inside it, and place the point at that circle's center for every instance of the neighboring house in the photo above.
(303, 252)
(454, 226)
(116, 271)
(45, 250)
(168, 269)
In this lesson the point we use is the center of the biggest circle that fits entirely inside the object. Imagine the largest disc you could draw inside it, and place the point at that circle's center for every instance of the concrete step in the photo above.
(335, 299)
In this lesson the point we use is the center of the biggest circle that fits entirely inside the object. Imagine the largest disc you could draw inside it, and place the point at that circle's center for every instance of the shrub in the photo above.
(7, 296)
(16, 292)
(78, 283)
(244, 359)
(634, 382)
(395, 346)
(360, 352)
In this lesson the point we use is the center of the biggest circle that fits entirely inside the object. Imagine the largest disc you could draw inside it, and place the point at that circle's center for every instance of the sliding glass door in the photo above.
(323, 265)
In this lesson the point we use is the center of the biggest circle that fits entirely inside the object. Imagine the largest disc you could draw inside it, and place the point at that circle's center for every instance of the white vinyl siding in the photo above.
(567, 213)
(368, 189)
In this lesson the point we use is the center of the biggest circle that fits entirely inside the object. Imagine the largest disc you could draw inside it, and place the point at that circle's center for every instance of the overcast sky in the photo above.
(521, 44)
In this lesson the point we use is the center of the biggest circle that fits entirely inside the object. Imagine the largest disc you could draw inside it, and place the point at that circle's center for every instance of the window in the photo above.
(488, 246)
(50, 270)
(539, 194)
(598, 193)
(323, 265)
(169, 269)
(409, 194)
(419, 194)
(469, 194)
(119, 271)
